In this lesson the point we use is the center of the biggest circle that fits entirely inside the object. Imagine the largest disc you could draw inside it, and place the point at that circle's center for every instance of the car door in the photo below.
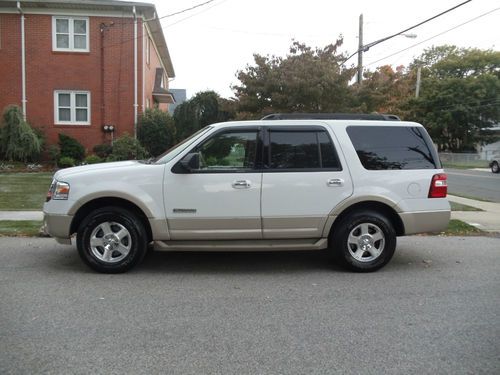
(303, 180)
(220, 198)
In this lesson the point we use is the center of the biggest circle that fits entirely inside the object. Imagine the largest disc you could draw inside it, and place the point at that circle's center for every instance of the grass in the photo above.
(26, 228)
(459, 228)
(23, 191)
(469, 197)
(462, 207)
(467, 165)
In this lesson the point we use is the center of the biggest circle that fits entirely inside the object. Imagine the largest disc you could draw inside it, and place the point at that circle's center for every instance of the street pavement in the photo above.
(474, 183)
(432, 310)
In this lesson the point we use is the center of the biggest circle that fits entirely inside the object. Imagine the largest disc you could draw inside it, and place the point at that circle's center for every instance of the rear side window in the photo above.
(289, 149)
(392, 147)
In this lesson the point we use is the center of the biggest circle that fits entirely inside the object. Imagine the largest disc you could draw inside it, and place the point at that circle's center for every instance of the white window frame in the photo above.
(71, 34)
(72, 107)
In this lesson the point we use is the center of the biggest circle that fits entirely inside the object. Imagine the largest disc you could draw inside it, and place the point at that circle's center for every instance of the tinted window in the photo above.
(391, 147)
(301, 150)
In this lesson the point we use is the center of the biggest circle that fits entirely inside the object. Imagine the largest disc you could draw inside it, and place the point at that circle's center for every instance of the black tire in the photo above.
(495, 168)
(346, 249)
(115, 254)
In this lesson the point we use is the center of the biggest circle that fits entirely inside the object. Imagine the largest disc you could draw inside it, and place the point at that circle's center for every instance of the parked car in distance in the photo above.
(351, 184)
(495, 164)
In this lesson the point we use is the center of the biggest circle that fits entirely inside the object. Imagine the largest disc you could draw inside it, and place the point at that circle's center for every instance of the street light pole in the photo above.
(360, 49)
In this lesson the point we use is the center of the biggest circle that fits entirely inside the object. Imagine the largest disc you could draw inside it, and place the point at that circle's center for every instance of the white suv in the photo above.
(350, 185)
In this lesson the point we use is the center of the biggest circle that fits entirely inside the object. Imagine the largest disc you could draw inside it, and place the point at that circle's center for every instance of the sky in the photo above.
(209, 44)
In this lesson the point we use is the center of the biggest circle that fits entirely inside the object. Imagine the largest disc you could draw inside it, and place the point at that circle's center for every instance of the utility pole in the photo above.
(360, 49)
(417, 89)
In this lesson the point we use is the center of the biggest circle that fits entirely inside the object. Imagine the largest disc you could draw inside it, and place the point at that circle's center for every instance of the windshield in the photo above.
(179, 147)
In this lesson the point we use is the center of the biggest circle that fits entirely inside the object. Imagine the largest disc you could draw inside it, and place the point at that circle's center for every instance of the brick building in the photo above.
(75, 66)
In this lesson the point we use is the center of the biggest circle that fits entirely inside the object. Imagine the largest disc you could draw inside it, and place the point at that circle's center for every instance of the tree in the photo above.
(305, 80)
(156, 131)
(203, 109)
(18, 141)
(460, 95)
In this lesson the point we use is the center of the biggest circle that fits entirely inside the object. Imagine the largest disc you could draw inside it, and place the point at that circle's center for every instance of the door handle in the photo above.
(241, 184)
(333, 182)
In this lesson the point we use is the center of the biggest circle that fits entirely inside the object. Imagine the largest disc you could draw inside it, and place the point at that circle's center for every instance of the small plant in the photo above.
(92, 159)
(66, 162)
(18, 141)
(70, 147)
(127, 148)
(103, 150)
(54, 153)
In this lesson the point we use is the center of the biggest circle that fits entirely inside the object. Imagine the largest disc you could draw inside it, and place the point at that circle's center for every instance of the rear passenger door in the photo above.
(304, 178)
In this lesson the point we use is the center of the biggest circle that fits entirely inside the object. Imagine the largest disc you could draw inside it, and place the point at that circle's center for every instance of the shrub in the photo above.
(156, 131)
(103, 150)
(92, 159)
(66, 162)
(18, 141)
(70, 147)
(54, 153)
(127, 148)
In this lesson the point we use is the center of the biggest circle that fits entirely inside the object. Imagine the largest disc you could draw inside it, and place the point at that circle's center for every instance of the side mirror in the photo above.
(191, 161)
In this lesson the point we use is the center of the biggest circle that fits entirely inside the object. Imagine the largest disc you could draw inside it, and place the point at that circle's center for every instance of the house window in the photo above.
(148, 48)
(70, 34)
(148, 104)
(72, 107)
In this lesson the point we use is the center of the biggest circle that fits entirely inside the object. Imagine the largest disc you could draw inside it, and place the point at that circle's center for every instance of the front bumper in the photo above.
(425, 221)
(58, 226)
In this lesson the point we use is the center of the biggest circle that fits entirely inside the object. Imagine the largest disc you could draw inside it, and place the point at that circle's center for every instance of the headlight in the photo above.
(58, 191)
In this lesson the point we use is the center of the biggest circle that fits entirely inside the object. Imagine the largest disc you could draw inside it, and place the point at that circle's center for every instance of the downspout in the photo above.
(135, 72)
(23, 61)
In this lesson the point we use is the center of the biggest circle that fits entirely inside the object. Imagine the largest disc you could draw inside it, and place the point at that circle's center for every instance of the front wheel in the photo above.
(111, 240)
(495, 168)
(364, 241)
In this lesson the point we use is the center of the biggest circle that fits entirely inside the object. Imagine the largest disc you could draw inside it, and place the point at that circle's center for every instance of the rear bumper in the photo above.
(57, 226)
(425, 221)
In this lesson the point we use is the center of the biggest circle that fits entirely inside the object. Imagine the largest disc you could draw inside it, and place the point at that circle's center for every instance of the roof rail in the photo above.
(331, 116)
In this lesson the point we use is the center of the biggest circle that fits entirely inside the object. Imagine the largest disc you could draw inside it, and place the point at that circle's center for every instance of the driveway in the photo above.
(433, 309)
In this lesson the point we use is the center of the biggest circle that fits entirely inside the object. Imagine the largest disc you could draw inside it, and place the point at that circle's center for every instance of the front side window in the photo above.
(70, 34)
(72, 107)
(392, 147)
(292, 149)
(229, 151)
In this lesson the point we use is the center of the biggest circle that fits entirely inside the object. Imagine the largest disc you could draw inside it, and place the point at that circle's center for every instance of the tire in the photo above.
(111, 240)
(495, 168)
(364, 241)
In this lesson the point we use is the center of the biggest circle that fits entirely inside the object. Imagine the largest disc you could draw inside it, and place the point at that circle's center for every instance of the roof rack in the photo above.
(331, 116)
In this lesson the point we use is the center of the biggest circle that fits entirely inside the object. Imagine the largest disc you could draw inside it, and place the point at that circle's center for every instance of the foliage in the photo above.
(306, 80)
(92, 159)
(66, 162)
(54, 153)
(71, 148)
(127, 148)
(156, 131)
(203, 109)
(103, 150)
(18, 141)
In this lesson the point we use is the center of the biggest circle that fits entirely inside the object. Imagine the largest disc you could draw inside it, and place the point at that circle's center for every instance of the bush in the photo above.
(66, 162)
(103, 150)
(156, 131)
(127, 148)
(92, 159)
(18, 141)
(54, 153)
(70, 147)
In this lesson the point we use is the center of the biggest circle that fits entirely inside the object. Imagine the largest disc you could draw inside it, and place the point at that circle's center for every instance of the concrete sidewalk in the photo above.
(21, 215)
(487, 220)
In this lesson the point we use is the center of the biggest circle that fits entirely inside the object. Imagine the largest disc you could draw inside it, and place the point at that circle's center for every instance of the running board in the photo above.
(243, 245)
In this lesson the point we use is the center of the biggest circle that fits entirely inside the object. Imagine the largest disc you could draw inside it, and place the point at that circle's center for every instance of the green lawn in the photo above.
(459, 228)
(462, 207)
(23, 191)
(20, 228)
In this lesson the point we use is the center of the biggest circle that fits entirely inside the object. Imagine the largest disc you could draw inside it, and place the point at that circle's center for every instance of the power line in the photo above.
(435, 36)
(369, 45)
(185, 10)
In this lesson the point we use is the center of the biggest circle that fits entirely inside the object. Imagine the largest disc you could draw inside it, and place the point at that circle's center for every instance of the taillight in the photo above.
(439, 186)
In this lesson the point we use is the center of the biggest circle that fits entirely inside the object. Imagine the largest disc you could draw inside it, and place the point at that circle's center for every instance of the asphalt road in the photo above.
(474, 184)
(433, 310)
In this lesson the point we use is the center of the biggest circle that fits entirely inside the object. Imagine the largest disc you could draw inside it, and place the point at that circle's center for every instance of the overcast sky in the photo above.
(209, 44)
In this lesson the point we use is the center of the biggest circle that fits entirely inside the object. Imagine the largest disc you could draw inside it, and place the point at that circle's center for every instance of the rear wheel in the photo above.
(495, 168)
(364, 241)
(111, 240)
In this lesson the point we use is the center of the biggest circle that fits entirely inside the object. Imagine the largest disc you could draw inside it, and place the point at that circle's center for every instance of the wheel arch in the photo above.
(93, 204)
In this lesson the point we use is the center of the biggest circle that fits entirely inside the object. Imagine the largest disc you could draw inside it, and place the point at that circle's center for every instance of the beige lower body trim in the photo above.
(57, 225)
(215, 228)
(293, 227)
(425, 221)
(159, 229)
(243, 245)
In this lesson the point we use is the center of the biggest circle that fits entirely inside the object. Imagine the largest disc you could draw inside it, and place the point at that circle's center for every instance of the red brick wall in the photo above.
(47, 71)
(150, 75)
